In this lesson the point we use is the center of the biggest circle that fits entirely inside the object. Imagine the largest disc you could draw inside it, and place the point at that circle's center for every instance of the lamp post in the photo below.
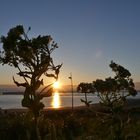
(71, 89)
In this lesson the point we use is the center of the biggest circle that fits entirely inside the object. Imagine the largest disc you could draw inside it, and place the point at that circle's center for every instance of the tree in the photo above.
(85, 88)
(113, 91)
(32, 58)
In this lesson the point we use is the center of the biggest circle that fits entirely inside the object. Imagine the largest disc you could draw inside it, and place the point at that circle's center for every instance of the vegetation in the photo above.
(85, 88)
(62, 125)
(113, 91)
(32, 58)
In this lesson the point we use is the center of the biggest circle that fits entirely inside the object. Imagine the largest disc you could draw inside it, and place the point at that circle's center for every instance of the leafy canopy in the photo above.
(85, 88)
(113, 91)
(32, 57)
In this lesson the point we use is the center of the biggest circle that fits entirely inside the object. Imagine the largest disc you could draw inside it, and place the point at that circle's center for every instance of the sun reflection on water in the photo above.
(56, 100)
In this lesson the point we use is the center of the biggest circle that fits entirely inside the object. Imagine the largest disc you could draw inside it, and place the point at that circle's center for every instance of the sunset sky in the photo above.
(90, 34)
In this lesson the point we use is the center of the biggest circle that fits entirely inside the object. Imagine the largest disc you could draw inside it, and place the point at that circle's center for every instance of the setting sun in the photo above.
(56, 85)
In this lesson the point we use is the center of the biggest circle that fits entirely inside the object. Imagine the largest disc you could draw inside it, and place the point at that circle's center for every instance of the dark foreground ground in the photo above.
(82, 123)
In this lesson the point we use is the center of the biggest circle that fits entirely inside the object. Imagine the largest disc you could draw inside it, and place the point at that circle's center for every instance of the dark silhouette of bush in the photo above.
(85, 88)
(113, 91)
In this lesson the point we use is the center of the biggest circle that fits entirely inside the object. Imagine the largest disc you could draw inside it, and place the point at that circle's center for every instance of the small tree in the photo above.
(113, 91)
(85, 88)
(32, 58)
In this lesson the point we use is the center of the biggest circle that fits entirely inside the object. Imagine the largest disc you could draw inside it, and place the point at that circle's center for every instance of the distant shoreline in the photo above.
(21, 92)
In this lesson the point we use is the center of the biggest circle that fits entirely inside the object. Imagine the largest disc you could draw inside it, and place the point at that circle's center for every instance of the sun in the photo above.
(56, 85)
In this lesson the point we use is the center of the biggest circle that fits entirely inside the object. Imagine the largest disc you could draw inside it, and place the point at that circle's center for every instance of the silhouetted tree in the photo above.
(32, 58)
(113, 91)
(85, 88)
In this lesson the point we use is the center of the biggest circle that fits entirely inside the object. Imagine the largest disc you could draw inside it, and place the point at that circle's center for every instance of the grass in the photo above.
(82, 124)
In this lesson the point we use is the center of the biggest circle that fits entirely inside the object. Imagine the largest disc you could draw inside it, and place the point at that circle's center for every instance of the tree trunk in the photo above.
(86, 98)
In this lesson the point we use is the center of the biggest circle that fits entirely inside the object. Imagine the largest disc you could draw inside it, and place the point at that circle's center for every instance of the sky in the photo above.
(90, 33)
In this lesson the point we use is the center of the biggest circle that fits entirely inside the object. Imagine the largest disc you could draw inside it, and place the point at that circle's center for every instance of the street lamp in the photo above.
(71, 88)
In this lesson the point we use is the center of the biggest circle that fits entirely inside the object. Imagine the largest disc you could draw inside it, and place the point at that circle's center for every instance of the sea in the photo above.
(57, 100)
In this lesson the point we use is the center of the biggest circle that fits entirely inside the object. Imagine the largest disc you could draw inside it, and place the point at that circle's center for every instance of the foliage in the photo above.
(32, 57)
(85, 88)
(81, 125)
(113, 91)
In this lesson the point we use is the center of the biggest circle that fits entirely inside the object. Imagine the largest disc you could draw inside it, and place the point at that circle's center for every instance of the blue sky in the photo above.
(90, 34)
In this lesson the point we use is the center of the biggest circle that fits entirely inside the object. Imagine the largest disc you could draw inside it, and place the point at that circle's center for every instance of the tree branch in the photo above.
(45, 88)
(20, 84)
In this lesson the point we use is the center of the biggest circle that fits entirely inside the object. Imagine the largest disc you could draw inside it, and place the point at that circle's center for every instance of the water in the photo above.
(56, 101)
(14, 101)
